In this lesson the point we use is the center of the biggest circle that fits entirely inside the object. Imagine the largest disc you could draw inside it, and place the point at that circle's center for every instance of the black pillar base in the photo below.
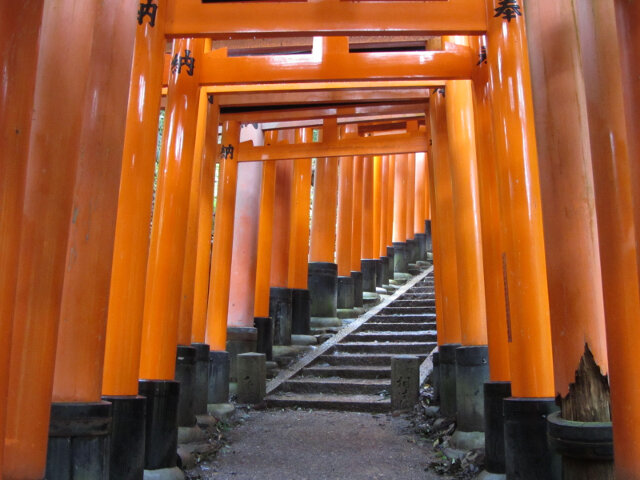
(429, 245)
(161, 428)
(241, 340)
(200, 391)
(281, 312)
(448, 401)
(368, 267)
(390, 265)
(527, 453)
(126, 461)
(382, 271)
(219, 368)
(186, 375)
(346, 293)
(264, 327)
(300, 311)
(435, 377)
(494, 395)
(411, 250)
(400, 257)
(323, 288)
(357, 289)
(472, 371)
(79, 441)
(421, 242)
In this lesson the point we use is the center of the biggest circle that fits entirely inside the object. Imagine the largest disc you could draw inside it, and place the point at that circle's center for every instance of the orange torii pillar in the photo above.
(262, 321)
(323, 272)
(356, 231)
(368, 264)
(298, 276)
(221, 256)
(445, 257)
(570, 228)
(346, 293)
(280, 297)
(524, 267)
(499, 385)
(427, 203)
(18, 59)
(159, 349)
(381, 268)
(77, 385)
(242, 336)
(412, 244)
(131, 250)
(388, 230)
(401, 253)
(420, 215)
(380, 244)
(55, 118)
(472, 366)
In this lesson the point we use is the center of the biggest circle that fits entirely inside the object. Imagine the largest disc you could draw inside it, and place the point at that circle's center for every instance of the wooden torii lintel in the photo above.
(382, 145)
(242, 19)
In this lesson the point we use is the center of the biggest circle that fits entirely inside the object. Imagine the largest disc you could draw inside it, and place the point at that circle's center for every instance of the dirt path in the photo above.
(321, 445)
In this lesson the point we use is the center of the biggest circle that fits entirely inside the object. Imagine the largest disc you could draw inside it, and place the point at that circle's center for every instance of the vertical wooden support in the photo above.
(446, 259)
(356, 228)
(20, 29)
(85, 294)
(345, 211)
(420, 215)
(131, 244)
(246, 226)
(300, 204)
(48, 195)
(377, 205)
(168, 230)
(367, 209)
(265, 234)
(427, 192)
(613, 175)
(196, 144)
(281, 224)
(492, 244)
(218, 304)
(400, 199)
(410, 195)
(523, 261)
(391, 179)
(384, 206)
(205, 222)
(325, 202)
(466, 218)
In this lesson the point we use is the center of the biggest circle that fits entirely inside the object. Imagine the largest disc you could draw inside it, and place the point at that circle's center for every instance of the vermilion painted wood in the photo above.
(345, 211)
(54, 142)
(131, 244)
(518, 184)
(400, 199)
(419, 215)
(366, 250)
(410, 196)
(356, 217)
(381, 246)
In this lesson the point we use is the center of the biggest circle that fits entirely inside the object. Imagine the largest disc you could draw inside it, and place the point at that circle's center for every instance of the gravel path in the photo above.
(321, 445)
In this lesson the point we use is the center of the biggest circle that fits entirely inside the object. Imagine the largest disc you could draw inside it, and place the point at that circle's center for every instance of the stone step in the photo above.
(382, 347)
(322, 401)
(356, 371)
(407, 310)
(358, 386)
(396, 326)
(358, 359)
(414, 303)
(414, 318)
(392, 336)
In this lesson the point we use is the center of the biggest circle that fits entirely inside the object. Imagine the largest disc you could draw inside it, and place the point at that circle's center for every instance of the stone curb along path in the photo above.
(352, 370)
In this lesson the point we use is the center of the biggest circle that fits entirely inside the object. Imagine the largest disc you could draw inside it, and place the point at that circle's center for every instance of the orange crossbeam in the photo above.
(324, 17)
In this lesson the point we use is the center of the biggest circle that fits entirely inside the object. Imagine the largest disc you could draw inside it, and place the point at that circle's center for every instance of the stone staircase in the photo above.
(354, 374)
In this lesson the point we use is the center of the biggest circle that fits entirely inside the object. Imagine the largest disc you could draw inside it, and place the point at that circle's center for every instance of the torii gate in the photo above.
(39, 254)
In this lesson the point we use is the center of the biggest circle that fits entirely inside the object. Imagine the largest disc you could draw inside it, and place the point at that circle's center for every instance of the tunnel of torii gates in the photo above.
(504, 133)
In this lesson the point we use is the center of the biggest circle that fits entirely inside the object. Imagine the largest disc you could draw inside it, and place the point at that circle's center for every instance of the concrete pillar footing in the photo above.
(201, 387)
(323, 289)
(241, 340)
(281, 313)
(448, 402)
(472, 371)
(127, 436)
(173, 473)
(219, 367)
(405, 382)
(252, 378)
(186, 375)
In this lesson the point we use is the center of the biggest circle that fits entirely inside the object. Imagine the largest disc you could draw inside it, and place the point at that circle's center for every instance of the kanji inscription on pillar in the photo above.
(226, 152)
(148, 9)
(508, 9)
(179, 61)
